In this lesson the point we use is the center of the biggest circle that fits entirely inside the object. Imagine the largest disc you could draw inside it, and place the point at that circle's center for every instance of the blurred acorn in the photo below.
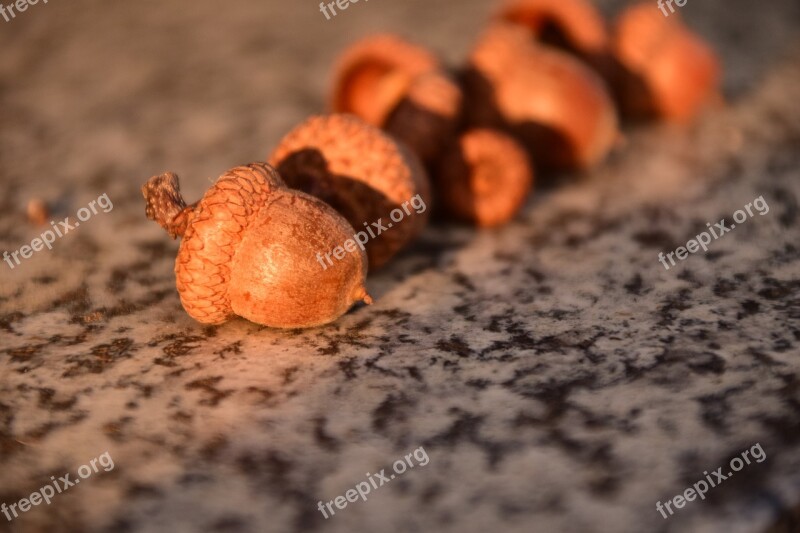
(401, 88)
(427, 117)
(484, 178)
(557, 106)
(373, 75)
(575, 26)
(667, 71)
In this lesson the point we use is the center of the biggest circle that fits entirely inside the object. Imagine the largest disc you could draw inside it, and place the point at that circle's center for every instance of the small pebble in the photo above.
(38, 213)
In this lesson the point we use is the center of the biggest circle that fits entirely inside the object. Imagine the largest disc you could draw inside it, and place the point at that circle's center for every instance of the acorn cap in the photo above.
(373, 75)
(484, 177)
(361, 172)
(213, 233)
(669, 71)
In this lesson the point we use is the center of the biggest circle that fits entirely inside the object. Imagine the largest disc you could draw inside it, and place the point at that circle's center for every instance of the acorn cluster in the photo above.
(544, 88)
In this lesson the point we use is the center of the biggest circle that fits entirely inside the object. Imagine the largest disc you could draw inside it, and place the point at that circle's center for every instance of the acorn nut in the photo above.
(250, 249)
(484, 178)
(427, 116)
(572, 25)
(555, 105)
(401, 88)
(373, 75)
(362, 173)
(666, 70)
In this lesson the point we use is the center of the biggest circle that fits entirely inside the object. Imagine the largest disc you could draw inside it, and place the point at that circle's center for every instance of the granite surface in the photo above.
(558, 378)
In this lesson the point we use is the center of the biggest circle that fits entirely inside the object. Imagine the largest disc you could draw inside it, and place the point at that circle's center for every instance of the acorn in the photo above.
(572, 25)
(401, 88)
(427, 116)
(666, 70)
(484, 178)
(374, 74)
(556, 106)
(250, 248)
(361, 172)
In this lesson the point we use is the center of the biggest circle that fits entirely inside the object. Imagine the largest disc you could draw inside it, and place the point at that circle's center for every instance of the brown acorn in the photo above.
(484, 178)
(427, 116)
(558, 107)
(667, 71)
(373, 75)
(362, 173)
(401, 88)
(573, 25)
(251, 248)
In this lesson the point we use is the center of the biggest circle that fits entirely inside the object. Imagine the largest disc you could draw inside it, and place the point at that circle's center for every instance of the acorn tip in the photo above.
(361, 294)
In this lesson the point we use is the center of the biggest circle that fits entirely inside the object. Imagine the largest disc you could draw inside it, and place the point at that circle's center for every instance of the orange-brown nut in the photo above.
(573, 25)
(401, 88)
(667, 70)
(427, 117)
(250, 248)
(363, 173)
(374, 74)
(484, 178)
(558, 107)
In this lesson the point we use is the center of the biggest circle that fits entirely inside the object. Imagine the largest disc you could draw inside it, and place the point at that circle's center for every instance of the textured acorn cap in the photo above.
(374, 74)
(556, 105)
(484, 177)
(212, 235)
(669, 71)
(361, 172)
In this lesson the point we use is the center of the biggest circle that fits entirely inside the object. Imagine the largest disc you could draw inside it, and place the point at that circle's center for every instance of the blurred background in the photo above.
(96, 89)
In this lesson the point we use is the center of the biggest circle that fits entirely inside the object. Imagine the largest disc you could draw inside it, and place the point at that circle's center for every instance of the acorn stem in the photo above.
(361, 294)
(165, 204)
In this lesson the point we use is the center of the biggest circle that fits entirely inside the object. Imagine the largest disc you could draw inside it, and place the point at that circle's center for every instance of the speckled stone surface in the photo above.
(557, 376)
